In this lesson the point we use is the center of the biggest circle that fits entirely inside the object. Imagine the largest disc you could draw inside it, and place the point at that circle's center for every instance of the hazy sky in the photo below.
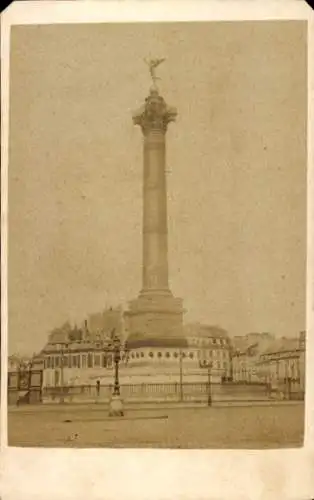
(236, 182)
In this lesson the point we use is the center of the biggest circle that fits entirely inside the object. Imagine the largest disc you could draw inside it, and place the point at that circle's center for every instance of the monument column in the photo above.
(153, 119)
(155, 315)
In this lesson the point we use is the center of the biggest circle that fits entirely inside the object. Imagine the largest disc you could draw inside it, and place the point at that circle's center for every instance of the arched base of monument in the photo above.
(116, 406)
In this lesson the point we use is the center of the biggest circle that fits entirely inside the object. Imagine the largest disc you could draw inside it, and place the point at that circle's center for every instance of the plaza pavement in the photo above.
(258, 426)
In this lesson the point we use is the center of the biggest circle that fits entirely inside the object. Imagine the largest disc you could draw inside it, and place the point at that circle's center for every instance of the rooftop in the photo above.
(74, 346)
(203, 330)
(283, 345)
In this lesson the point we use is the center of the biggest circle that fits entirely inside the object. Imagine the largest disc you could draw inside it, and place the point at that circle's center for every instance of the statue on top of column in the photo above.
(155, 114)
(152, 65)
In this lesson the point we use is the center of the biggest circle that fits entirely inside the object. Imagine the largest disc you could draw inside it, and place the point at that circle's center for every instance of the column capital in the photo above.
(155, 114)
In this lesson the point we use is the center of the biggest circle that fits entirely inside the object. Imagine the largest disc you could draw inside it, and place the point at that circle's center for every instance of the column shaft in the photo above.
(155, 244)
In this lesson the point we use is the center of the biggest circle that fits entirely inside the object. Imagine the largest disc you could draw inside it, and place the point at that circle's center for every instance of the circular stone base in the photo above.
(116, 407)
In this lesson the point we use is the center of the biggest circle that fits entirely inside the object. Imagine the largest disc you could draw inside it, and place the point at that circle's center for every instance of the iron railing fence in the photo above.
(172, 392)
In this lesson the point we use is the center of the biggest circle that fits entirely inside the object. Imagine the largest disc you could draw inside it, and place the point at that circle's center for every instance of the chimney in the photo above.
(302, 340)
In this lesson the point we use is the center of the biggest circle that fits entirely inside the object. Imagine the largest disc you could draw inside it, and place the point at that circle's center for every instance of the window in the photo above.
(167, 354)
(137, 354)
(65, 361)
(48, 362)
(214, 341)
(151, 354)
(142, 355)
(175, 354)
(70, 361)
(74, 362)
(97, 360)
(90, 360)
(84, 360)
(191, 355)
(52, 362)
(159, 355)
(109, 361)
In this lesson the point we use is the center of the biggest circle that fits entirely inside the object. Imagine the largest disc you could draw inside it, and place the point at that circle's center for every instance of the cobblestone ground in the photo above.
(269, 426)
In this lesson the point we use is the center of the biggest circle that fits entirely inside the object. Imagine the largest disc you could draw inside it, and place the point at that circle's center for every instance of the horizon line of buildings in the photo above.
(241, 358)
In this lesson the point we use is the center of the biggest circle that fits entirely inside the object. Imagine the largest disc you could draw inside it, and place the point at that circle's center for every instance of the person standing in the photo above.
(97, 390)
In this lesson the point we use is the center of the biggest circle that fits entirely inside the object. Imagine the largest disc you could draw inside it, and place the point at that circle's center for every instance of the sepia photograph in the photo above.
(157, 189)
(156, 251)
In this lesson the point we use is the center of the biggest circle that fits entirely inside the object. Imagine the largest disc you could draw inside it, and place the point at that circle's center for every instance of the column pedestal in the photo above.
(155, 316)
(116, 406)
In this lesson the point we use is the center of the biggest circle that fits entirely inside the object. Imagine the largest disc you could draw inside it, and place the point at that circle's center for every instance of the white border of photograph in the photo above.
(155, 474)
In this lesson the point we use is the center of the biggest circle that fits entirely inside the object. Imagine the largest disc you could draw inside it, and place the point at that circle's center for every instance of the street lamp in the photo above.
(116, 406)
(63, 345)
(30, 368)
(208, 365)
(116, 360)
(181, 374)
(24, 378)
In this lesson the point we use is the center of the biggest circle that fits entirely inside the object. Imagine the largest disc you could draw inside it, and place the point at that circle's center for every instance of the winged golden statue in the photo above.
(152, 65)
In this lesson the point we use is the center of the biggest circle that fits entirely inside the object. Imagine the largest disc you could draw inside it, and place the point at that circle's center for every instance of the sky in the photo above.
(236, 172)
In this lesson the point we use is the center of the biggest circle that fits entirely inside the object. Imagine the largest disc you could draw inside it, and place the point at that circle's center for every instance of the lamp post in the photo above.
(115, 405)
(299, 377)
(289, 381)
(208, 365)
(24, 379)
(30, 368)
(61, 400)
(116, 360)
(181, 374)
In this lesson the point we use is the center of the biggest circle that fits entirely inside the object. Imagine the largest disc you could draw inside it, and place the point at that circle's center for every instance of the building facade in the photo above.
(283, 365)
(75, 363)
(212, 345)
(79, 358)
(245, 355)
(74, 356)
